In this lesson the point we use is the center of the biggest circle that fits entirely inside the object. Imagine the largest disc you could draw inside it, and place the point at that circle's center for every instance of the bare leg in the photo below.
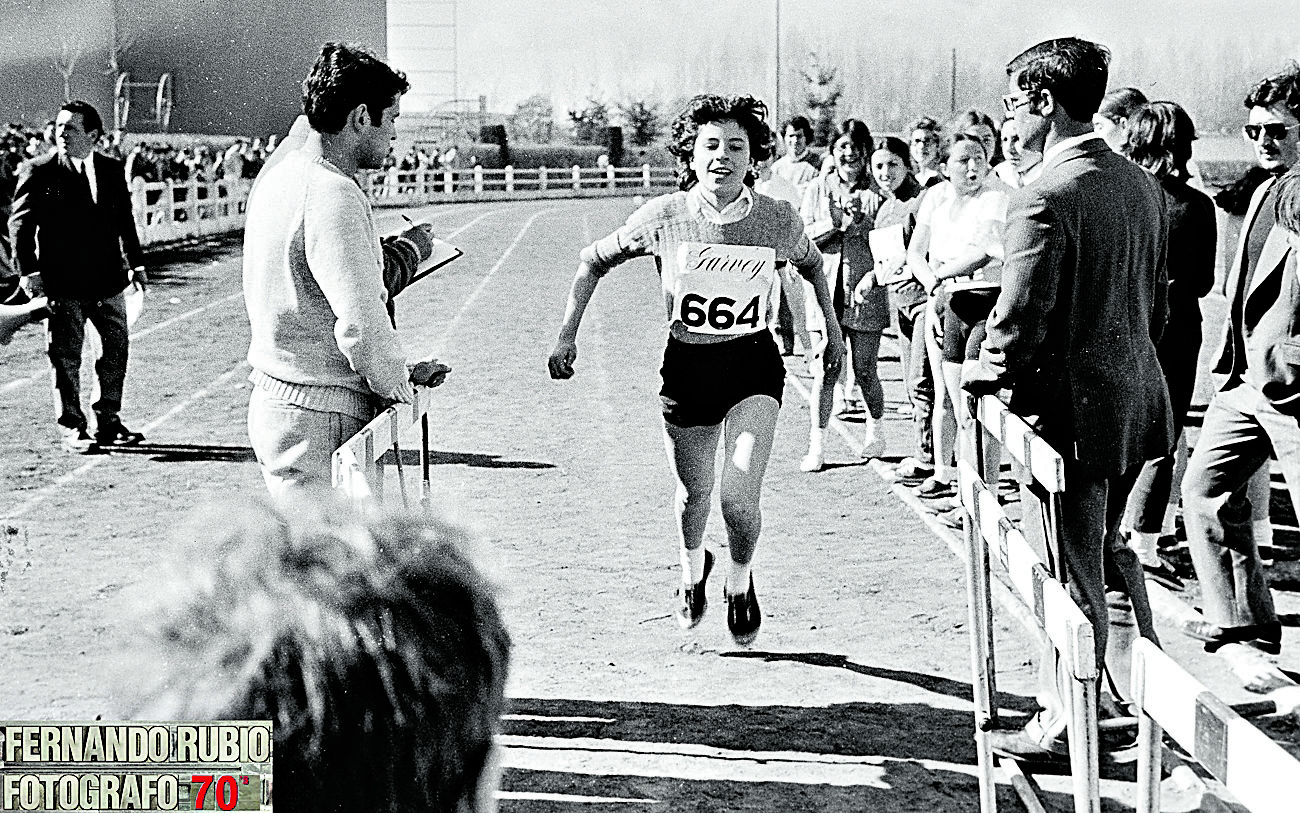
(750, 427)
(691, 454)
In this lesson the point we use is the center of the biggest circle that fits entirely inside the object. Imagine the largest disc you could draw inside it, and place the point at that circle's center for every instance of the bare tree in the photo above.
(822, 95)
(643, 119)
(534, 119)
(590, 122)
(72, 45)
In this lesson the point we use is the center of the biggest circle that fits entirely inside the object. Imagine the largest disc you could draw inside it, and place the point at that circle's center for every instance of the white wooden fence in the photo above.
(167, 212)
(395, 188)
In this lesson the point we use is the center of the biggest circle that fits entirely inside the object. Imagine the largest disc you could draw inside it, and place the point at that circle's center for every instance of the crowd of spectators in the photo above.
(156, 160)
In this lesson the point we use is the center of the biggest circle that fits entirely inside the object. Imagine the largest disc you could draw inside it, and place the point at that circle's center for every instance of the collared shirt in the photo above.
(86, 166)
(1065, 144)
(705, 206)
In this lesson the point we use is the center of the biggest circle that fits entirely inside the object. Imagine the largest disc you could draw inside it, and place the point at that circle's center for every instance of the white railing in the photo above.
(1254, 769)
(167, 212)
(990, 533)
(358, 465)
(394, 188)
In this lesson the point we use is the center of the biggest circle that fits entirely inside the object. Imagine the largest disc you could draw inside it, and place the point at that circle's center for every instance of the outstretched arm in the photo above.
(566, 347)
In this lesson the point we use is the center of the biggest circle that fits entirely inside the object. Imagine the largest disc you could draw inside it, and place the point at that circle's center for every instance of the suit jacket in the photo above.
(1261, 336)
(58, 231)
(1082, 303)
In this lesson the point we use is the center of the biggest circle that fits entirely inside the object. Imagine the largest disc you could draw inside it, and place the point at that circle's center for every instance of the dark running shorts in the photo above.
(702, 382)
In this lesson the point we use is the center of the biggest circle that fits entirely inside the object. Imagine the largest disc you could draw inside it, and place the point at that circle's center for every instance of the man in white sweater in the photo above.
(324, 352)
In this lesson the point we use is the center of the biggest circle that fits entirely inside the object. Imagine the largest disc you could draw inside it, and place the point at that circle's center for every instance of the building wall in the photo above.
(236, 65)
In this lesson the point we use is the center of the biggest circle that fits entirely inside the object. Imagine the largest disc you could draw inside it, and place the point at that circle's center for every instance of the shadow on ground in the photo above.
(896, 745)
(185, 452)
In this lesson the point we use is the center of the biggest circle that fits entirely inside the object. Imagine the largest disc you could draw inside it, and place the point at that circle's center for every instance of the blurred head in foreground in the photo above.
(374, 647)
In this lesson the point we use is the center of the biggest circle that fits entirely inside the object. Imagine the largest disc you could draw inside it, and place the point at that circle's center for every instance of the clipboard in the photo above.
(443, 253)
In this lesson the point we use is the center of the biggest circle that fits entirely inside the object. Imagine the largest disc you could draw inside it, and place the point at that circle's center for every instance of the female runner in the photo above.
(716, 245)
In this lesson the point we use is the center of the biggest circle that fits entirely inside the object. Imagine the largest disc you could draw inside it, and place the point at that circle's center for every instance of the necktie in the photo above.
(85, 181)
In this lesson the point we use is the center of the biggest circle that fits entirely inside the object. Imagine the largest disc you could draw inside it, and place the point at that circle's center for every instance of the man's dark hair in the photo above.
(801, 124)
(345, 76)
(372, 644)
(90, 119)
(1281, 88)
(1074, 70)
(708, 108)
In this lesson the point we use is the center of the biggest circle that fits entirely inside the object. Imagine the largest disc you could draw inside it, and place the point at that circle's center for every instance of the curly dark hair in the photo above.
(344, 76)
(1280, 88)
(709, 108)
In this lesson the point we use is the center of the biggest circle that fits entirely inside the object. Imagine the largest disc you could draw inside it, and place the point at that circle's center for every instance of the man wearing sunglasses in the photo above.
(1254, 411)
(1073, 337)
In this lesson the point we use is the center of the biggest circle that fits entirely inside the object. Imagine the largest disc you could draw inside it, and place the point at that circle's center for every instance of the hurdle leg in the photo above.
(1148, 742)
(979, 612)
(1084, 759)
(426, 491)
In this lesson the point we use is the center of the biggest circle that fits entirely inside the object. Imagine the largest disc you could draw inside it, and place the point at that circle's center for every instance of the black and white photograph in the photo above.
(581, 407)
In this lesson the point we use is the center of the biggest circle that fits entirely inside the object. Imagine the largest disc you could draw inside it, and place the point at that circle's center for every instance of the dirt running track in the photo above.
(854, 697)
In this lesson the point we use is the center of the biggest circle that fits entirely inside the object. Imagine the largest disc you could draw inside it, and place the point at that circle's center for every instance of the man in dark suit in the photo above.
(1072, 334)
(1255, 412)
(71, 224)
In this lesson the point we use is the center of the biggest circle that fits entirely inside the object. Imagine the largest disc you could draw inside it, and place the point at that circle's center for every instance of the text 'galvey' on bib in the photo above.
(723, 290)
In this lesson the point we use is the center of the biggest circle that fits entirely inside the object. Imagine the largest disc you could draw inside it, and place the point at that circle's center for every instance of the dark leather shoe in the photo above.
(693, 603)
(1264, 637)
(115, 434)
(1164, 575)
(743, 615)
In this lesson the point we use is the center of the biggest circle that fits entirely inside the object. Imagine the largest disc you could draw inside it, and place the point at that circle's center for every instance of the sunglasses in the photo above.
(1275, 130)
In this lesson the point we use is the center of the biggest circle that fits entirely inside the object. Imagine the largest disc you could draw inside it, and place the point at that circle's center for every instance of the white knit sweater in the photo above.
(314, 289)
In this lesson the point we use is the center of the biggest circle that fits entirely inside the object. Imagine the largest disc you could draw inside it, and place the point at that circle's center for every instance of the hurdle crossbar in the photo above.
(989, 531)
(357, 465)
(1256, 770)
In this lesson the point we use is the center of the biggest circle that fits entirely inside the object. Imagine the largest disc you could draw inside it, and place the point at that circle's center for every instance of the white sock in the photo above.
(738, 578)
(1144, 544)
(1169, 527)
(692, 565)
(815, 437)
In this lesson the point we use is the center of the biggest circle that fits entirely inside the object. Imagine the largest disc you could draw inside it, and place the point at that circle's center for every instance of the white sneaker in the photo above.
(873, 448)
(813, 461)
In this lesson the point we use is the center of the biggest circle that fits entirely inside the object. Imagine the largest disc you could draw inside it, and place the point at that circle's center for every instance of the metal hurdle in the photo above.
(1254, 769)
(358, 465)
(988, 528)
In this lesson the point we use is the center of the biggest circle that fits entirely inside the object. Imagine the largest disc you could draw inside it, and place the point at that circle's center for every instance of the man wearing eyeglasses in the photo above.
(1073, 337)
(1254, 411)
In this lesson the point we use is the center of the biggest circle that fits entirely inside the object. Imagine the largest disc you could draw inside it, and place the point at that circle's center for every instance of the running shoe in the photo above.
(875, 448)
(909, 468)
(743, 616)
(692, 600)
(932, 487)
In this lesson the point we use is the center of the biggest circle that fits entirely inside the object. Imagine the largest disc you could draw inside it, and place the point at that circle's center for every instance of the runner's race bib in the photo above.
(723, 290)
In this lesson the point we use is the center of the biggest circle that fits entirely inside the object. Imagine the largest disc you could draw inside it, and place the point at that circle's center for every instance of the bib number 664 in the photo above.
(718, 312)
